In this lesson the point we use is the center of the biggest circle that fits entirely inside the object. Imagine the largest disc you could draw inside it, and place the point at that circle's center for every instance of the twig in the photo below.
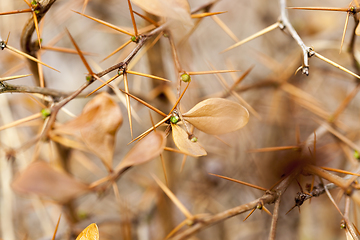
(122, 65)
(10, 88)
(268, 198)
(274, 219)
(25, 41)
(286, 24)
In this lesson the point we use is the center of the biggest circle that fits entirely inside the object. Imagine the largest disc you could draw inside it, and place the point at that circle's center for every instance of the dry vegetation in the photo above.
(277, 113)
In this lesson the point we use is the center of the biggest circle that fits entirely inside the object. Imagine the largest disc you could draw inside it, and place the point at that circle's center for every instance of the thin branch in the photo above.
(268, 198)
(286, 24)
(274, 220)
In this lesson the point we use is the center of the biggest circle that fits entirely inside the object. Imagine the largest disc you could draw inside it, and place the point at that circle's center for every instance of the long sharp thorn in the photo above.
(253, 210)
(16, 11)
(126, 86)
(212, 72)
(65, 50)
(173, 198)
(105, 23)
(118, 49)
(133, 18)
(335, 65)
(164, 168)
(40, 70)
(37, 28)
(321, 9)
(182, 94)
(20, 121)
(241, 182)
(147, 75)
(201, 15)
(147, 19)
(340, 171)
(102, 85)
(28, 3)
(14, 77)
(80, 54)
(266, 210)
(176, 229)
(225, 28)
(145, 103)
(150, 129)
(84, 6)
(7, 39)
(344, 32)
(258, 34)
(183, 163)
(290, 209)
(239, 80)
(56, 228)
(29, 57)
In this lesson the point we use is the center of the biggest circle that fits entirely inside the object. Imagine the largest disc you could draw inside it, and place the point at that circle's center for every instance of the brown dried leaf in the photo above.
(41, 179)
(182, 141)
(357, 31)
(91, 232)
(174, 9)
(148, 148)
(96, 126)
(217, 116)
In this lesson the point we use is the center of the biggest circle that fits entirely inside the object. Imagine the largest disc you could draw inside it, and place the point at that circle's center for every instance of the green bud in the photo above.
(342, 226)
(185, 77)
(134, 39)
(88, 78)
(33, 2)
(356, 154)
(45, 113)
(165, 35)
(82, 215)
(174, 119)
(37, 11)
(194, 139)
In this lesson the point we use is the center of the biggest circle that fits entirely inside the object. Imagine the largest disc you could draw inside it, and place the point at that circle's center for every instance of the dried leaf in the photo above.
(91, 232)
(182, 141)
(41, 179)
(217, 116)
(148, 148)
(357, 31)
(173, 9)
(96, 127)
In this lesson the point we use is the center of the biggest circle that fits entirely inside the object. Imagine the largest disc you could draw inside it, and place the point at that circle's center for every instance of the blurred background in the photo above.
(282, 101)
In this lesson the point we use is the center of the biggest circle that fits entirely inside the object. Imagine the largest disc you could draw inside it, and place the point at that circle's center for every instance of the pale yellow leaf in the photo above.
(173, 9)
(217, 116)
(182, 141)
(148, 148)
(91, 232)
(41, 179)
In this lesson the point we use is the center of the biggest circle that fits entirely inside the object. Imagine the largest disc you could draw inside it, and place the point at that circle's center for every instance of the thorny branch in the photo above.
(10, 88)
(26, 44)
(269, 197)
(285, 24)
(120, 66)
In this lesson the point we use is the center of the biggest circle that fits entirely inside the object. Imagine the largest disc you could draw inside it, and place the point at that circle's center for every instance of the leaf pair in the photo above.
(213, 116)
